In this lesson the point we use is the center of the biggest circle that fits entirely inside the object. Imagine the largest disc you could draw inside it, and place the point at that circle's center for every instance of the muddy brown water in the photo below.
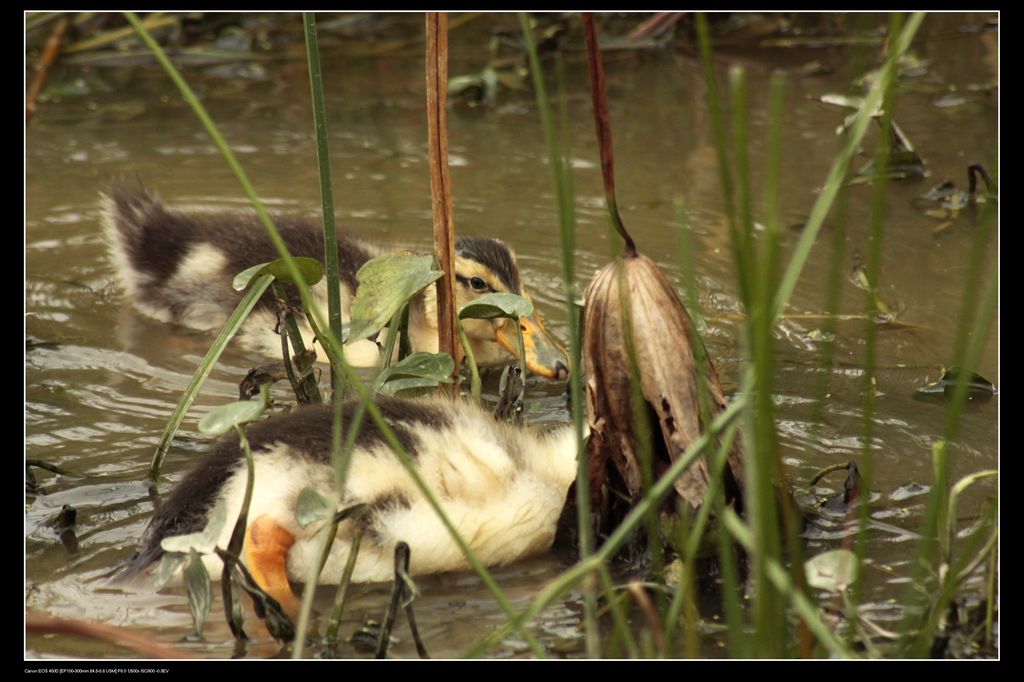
(101, 379)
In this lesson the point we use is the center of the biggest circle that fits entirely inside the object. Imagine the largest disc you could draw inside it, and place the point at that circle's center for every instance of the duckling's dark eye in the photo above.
(477, 283)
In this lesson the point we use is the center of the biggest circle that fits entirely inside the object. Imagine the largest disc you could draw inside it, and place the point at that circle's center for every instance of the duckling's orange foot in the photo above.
(266, 553)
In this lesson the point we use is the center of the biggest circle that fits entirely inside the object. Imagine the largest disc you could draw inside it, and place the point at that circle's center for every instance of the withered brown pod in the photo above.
(631, 302)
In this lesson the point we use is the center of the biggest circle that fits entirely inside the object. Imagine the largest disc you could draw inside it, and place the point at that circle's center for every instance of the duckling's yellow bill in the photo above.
(544, 355)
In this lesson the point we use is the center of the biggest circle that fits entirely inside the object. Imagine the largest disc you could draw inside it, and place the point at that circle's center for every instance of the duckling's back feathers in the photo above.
(179, 266)
(502, 487)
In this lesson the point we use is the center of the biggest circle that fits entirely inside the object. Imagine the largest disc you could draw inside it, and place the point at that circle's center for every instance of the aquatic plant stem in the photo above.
(661, 488)
(332, 344)
(562, 180)
(440, 187)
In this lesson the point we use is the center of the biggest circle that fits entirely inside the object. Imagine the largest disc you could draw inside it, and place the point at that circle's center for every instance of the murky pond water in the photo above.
(101, 379)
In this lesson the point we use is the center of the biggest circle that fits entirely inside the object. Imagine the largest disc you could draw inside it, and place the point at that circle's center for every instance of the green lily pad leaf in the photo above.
(979, 389)
(312, 507)
(200, 592)
(385, 284)
(311, 269)
(203, 541)
(491, 306)
(419, 370)
(168, 566)
(222, 419)
(833, 571)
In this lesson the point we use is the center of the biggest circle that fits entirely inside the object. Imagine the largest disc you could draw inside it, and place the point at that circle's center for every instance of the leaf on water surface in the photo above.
(833, 571)
(385, 284)
(200, 591)
(979, 388)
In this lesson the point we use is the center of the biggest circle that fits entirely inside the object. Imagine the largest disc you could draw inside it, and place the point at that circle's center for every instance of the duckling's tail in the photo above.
(141, 252)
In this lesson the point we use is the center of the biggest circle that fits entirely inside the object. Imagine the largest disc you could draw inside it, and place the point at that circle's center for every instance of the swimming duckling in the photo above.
(178, 267)
(501, 486)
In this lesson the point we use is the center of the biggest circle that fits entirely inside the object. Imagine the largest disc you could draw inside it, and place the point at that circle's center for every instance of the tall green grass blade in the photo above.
(275, 237)
(661, 489)
(234, 322)
(558, 160)
(779, 578)
(869, 388)
(323, 159)
(330, 342)
(841, 163)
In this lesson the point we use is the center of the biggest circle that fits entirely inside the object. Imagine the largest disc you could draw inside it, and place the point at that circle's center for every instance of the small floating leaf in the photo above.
(950, 99)
(312, 507)
(222, 419)
(311, 269)
(422, 370)
(200, 592)
(169, 564)
(979, 388)
(385, 284)
(832, 571)
(941, 191)
(491, 306)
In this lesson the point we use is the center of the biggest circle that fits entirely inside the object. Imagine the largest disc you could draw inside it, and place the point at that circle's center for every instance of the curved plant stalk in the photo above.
(238, 539)
(958, 488)
(440, 184)
(558, 160)
(474, 371)
(245, 306)
(331, 343)
(342, 592)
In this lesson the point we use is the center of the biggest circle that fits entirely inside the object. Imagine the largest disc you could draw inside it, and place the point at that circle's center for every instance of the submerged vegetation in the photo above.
(681, 482)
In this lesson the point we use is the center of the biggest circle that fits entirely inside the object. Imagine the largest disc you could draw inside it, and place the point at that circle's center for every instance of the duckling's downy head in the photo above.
(484, 265)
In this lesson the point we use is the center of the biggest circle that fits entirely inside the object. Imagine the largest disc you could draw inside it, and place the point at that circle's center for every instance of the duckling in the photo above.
(502, 487)
(178, 268)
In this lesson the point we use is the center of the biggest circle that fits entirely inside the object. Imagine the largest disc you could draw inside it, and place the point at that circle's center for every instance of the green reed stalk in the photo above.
(873, 274)
(330, 340)
(776, 573)
(233, 324)
(323, 159)
(661, 489)
(919, 624)
(232, 161)
(837, 173)
(561, 175)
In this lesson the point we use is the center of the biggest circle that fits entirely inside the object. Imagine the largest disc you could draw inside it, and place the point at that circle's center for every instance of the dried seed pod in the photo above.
(632, 310)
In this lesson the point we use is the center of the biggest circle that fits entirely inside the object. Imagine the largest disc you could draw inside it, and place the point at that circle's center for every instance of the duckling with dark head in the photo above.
(178, 268)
